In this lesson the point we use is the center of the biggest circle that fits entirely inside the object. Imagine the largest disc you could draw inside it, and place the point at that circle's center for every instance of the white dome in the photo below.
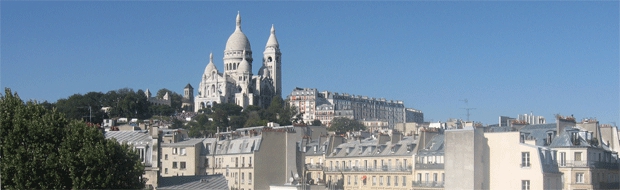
(238, 40)
(264, 71)
(210, 67)
(244, 66)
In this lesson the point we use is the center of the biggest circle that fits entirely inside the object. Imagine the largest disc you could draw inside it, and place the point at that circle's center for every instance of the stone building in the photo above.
(237, 84)
(165, 100)
(326, 105)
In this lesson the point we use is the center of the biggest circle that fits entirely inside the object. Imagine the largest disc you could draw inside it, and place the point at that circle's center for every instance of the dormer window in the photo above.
(575, 138)
(549, 138)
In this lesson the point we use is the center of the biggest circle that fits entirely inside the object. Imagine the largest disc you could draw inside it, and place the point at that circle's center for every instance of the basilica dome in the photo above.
(210, 67)
(238, 40)
(244, 66)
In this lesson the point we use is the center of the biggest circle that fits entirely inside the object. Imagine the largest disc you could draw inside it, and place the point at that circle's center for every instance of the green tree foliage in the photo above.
(176, 124)
(280, 112)
(200, 126)
(42, 149)
(342, 125)
(124, 102)
(83, 107)
(316, 122)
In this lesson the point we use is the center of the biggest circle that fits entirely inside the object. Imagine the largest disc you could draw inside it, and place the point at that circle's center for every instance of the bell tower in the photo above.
(272, 61)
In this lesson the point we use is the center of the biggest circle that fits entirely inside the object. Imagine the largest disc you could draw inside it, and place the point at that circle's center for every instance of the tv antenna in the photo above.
(467, 108)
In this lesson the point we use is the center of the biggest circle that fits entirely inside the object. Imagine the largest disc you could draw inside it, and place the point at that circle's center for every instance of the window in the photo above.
(182, 165)
(174, 164)
(381, 180)
(419, 177)
(435, 177)
(404, 181)
(374, 180)
(395, 180)
(355, 177)
(525, 184)
(577, 156)
(348, 180)
(562, 158)
(426, 177)
(250, 178)
(142, 152)
(525, 159)
(174, 151)
(166, 157)
(579, 178)
(166, 170)
(388, 180)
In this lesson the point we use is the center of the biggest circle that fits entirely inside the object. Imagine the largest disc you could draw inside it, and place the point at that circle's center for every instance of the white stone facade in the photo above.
(326, 105)
(237, 84)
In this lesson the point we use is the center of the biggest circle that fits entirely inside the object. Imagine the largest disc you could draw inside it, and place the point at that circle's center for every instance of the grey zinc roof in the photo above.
(434, 147)
(185, 143)
(216, 181)
(538, 132)
(238, 146)
(564, 139)
(130, 137)
(310, 148)
(369, 147)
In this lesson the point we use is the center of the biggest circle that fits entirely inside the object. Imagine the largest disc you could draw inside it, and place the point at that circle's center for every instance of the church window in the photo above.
(269, 59)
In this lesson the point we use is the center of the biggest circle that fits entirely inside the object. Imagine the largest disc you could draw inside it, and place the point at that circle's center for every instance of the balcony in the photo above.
(433, 184)
(361, 169)
(314, 167)
(586, 164)
(429, 166)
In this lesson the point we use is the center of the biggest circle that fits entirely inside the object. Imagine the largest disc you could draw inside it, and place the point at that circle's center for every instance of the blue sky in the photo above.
(505, 58)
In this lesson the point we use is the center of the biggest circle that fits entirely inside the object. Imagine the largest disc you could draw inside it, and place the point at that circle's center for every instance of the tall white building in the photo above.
(531, 119)
(237, 84)
(324, 106)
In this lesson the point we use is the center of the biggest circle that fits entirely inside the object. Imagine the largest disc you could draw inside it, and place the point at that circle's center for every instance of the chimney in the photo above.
(396, 136)
(382, 139)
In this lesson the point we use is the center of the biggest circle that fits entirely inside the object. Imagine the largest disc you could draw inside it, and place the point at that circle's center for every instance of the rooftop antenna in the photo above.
(467, 107)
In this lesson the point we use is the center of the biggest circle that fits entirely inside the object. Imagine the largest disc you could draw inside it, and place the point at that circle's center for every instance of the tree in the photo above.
(82, 107)
(42, 149)
(343, 124)
(316, 122)
(200, 126)
(254, 119)
(280, 112)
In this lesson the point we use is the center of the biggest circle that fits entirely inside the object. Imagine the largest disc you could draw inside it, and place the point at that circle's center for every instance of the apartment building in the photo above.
(255, 158)
(326, 105)
(383, 161)
(183, 158)
(562, 155)
(429, 160)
